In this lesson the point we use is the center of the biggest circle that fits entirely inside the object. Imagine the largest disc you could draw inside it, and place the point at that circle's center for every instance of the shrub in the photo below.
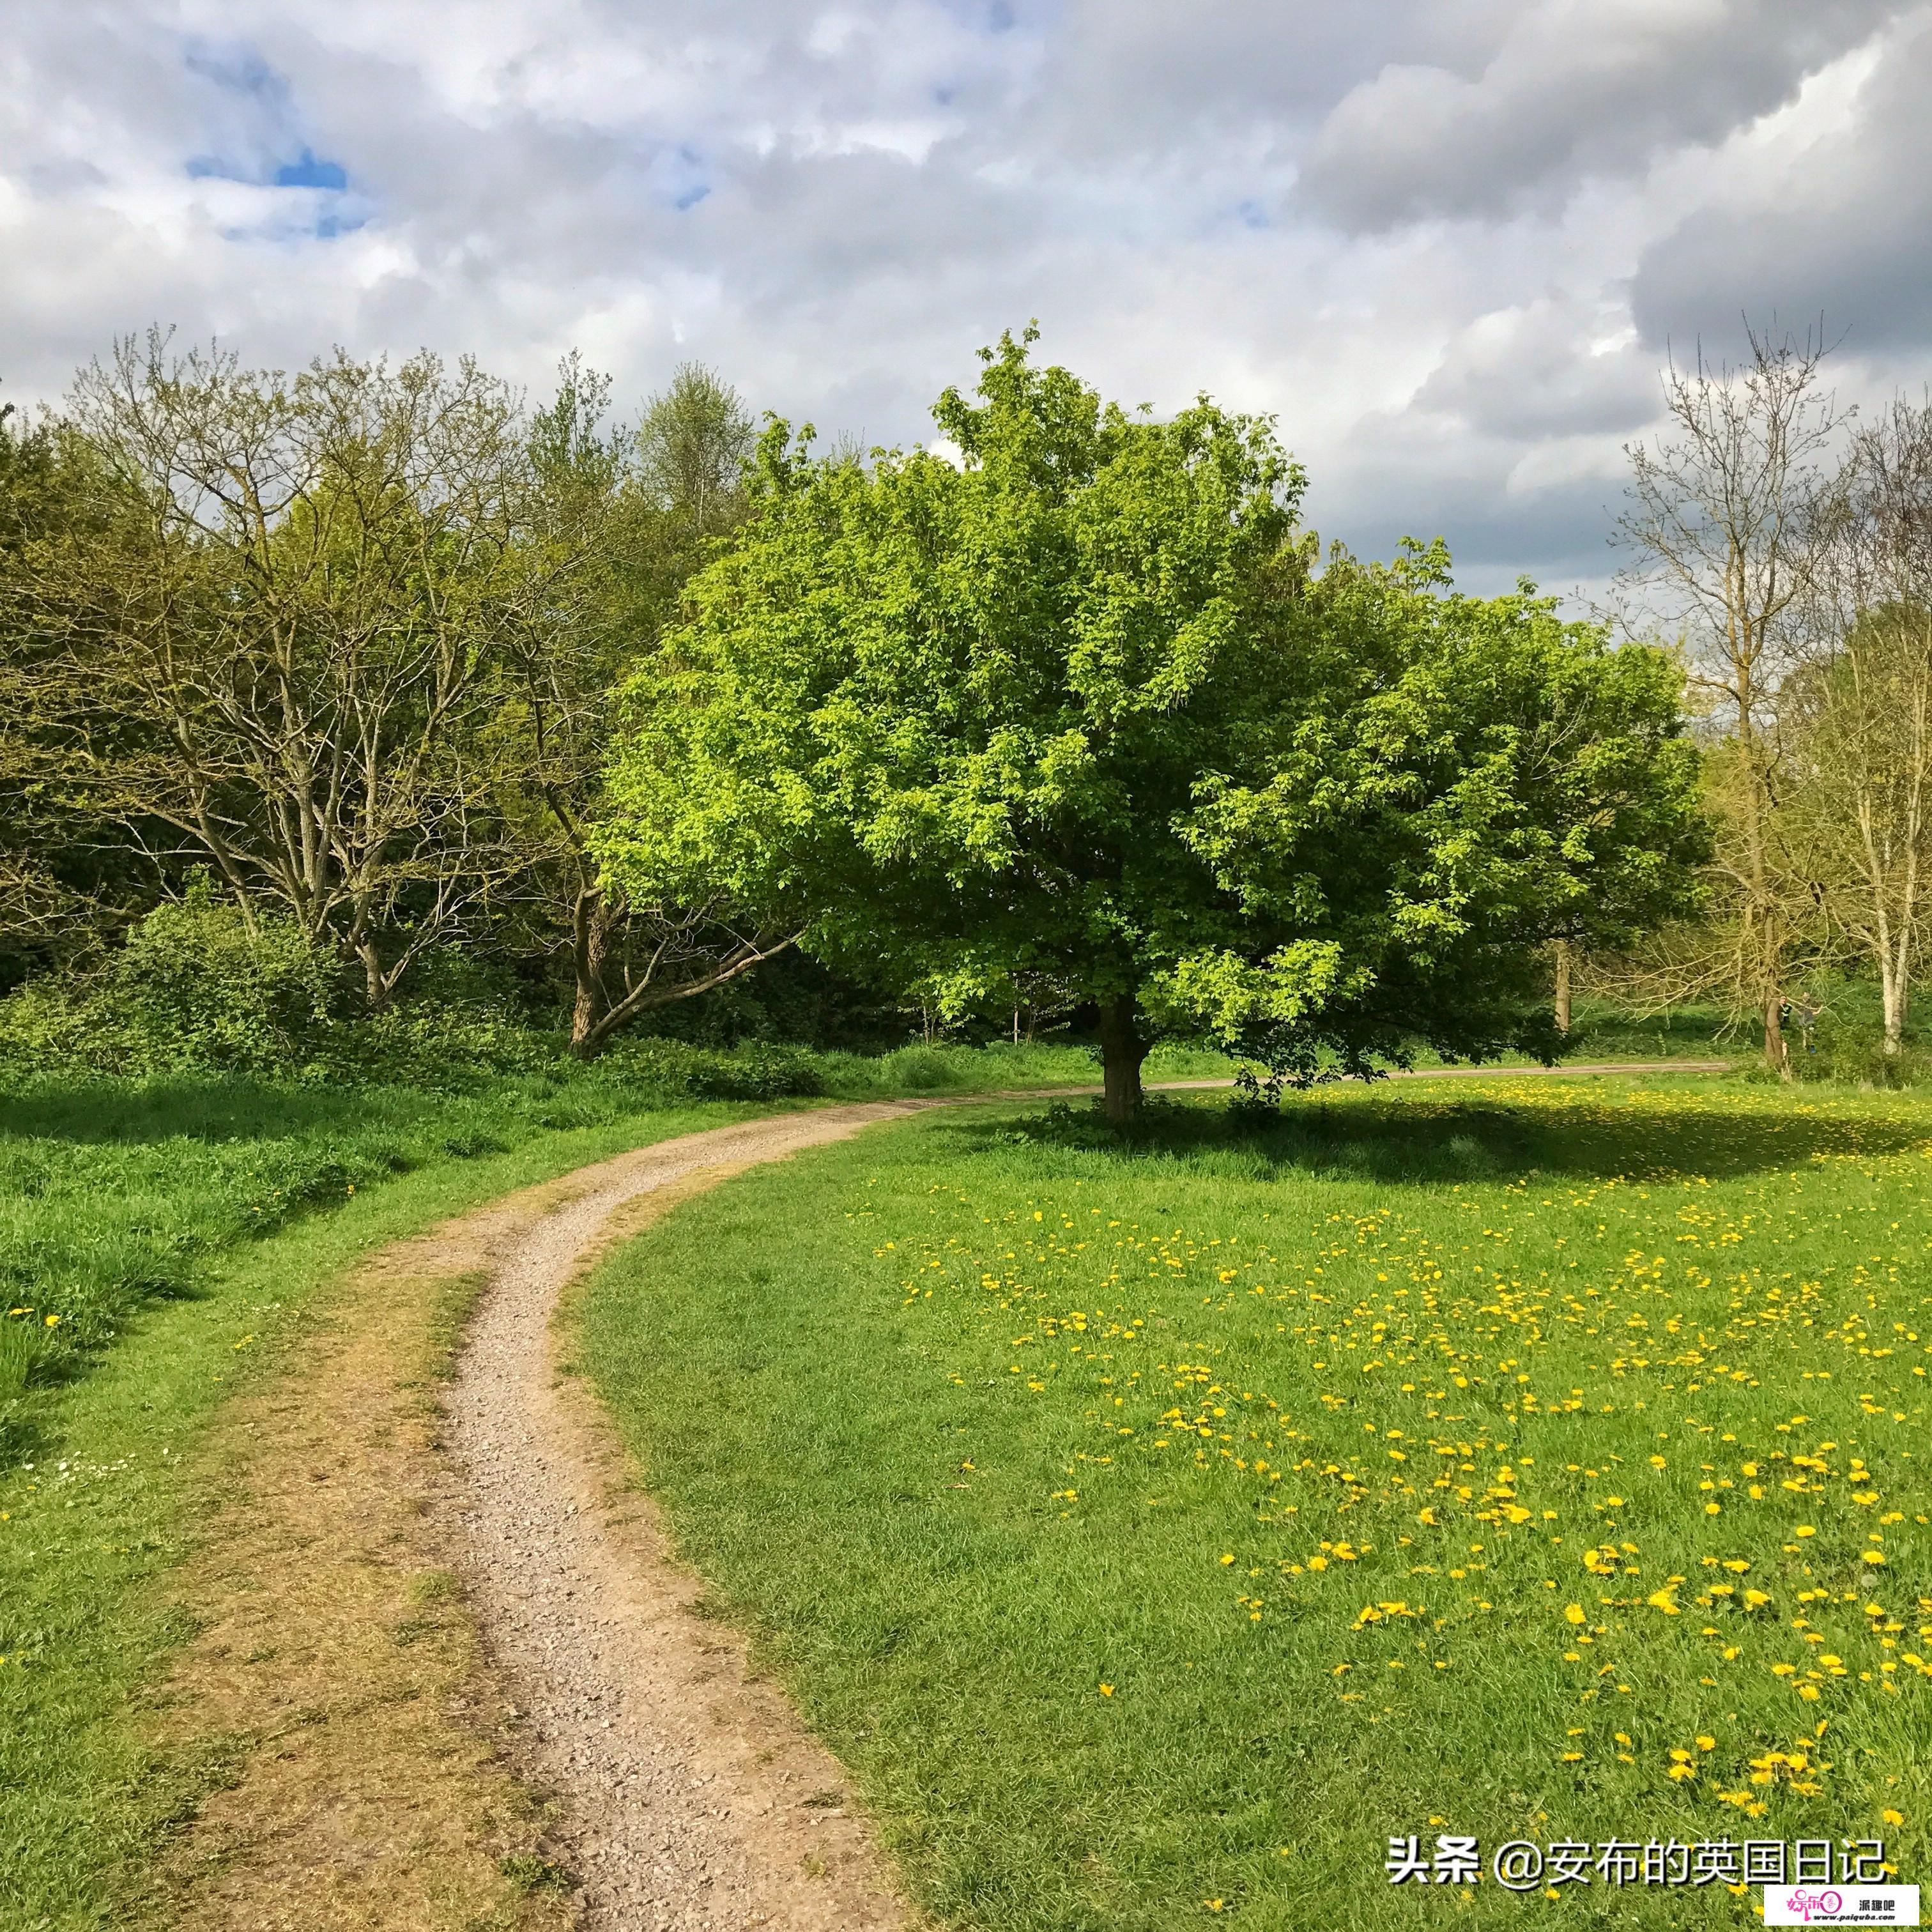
(195, 986)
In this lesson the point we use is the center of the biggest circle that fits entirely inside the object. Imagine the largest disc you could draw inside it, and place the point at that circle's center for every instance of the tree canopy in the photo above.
(1086, 701)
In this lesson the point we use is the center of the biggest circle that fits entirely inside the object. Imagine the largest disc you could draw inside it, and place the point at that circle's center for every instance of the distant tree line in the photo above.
(346, 641)
(1074, 721)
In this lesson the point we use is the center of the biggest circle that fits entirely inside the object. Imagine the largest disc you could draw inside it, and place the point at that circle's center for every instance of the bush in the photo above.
(194, 987)
(1845, 1040)
(417, 1043)
(1857, 1055)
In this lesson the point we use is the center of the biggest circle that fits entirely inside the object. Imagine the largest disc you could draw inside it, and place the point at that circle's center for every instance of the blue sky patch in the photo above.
(310, 170)
(255, 137)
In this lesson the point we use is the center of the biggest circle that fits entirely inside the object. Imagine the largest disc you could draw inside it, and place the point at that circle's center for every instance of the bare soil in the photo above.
(335, 1684)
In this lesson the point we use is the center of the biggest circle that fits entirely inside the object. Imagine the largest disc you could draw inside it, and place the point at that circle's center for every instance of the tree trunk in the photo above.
(1893, 990)
(591, 922)
(647, 995)
(377, 985)
(1563, 985)
(1122, 1050)
(1776, 1055)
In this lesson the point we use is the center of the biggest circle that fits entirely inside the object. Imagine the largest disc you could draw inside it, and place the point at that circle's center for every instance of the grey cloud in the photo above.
(1121, 76)
(1534, 371)
(1401, 482)
(1843, 233)
(1574, 89)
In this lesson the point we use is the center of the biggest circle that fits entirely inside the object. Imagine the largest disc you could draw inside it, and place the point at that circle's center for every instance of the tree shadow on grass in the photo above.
(1397, 1140)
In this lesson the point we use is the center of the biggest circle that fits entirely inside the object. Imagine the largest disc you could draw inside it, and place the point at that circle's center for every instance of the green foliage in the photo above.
(196, 991)
(1835, 1030)
(1083, 705)
(235, 995)
(692, 446)
(757, 1070)
(57, 876)
(196, 985)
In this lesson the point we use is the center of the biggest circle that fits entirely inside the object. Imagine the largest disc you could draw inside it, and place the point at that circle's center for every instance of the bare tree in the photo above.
(1725, 543)
(1039, 1000)
(1859, 721)
(285, 650)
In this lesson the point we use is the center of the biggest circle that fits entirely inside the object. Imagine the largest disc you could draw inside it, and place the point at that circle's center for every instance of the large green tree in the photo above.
(1085, 702)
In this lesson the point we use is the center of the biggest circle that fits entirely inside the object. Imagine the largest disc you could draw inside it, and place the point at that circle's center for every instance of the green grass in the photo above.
(116, 1194)
(1155, 1526)
(102, 1510)
(1602, 1031)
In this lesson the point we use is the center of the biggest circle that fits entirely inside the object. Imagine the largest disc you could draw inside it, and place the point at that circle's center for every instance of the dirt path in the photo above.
(691, 1797)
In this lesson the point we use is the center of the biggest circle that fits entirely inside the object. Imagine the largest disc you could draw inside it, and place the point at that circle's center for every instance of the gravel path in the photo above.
(689, 1796)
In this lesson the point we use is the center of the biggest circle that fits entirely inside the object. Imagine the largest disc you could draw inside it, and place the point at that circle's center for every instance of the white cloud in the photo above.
(1439, 239)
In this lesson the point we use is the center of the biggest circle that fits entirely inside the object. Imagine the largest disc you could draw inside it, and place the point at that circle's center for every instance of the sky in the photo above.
(1447, 244)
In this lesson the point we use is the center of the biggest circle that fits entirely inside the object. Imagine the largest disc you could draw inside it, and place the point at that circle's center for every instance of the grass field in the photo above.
(1156, 1531)
(114, 1195)
(157, 1239)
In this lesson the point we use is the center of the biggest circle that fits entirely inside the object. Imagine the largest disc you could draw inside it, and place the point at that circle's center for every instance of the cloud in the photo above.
(835, 203)
(1569, 89)
(1543, 369)
(1828, 215)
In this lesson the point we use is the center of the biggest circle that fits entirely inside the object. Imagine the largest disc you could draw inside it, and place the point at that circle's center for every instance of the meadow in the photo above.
(116, 1193)
(1157, 1528)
